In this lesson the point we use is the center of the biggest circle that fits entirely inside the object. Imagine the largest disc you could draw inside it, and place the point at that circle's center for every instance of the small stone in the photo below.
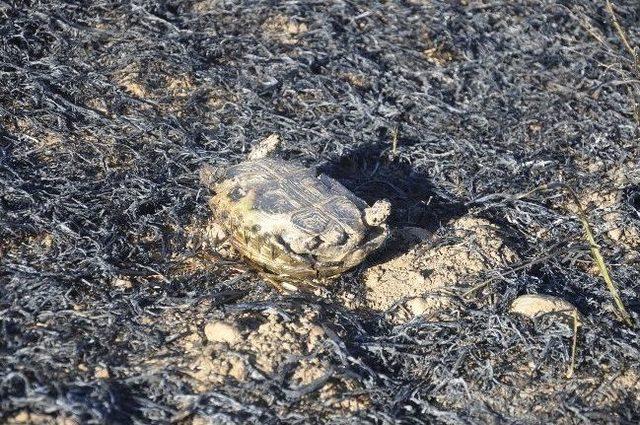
(101, 373)
(417, 306)
(535, 305)
(431, 307)
(427, 305)
(122, 283)
(217, 331)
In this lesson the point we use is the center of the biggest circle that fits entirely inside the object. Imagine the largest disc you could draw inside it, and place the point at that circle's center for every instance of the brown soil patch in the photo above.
(158, 85)
(255, 346)
(206, 6)
(128, 79)
(438, 54)
(469, 246)
(30, 246)
(45, 141)
(356, 79)
(284, 29)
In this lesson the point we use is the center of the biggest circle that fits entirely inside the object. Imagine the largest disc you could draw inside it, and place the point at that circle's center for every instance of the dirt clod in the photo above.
(217, 331)
(468, 247)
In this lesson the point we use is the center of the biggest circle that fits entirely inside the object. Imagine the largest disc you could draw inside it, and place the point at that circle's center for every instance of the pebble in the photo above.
(427, 305)
(535, 305)
(218, 331)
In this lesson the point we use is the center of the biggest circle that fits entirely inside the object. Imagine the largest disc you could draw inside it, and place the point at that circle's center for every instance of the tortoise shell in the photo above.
(293, 221)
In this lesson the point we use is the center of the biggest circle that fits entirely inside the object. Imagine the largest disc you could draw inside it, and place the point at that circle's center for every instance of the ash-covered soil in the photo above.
(114, 308)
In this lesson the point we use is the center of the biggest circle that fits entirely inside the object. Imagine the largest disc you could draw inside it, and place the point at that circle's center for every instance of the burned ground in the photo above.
(107, 284)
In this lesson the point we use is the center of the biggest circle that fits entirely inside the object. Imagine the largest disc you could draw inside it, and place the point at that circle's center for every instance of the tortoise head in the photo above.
(378, 213)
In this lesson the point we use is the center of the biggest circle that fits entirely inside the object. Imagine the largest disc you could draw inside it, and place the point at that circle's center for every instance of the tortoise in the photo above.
(292, 221)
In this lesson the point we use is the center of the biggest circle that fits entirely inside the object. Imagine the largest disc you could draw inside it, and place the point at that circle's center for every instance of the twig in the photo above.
(620, 31)
(394, 141)
(574, 345)
(632, 51)
(597, 256)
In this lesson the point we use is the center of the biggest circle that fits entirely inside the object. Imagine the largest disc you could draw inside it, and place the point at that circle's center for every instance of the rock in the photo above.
(217, 331)
(428, 305)
(101, 373)
(535, 305)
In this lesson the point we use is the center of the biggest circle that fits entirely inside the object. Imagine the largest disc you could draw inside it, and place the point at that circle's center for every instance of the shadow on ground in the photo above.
(372, 173)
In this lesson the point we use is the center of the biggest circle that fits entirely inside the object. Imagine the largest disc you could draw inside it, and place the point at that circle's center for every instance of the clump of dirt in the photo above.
(283, 29)
(429, 307)
(209, 367)
(465, 249)
(170, 88)
(220, 332)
